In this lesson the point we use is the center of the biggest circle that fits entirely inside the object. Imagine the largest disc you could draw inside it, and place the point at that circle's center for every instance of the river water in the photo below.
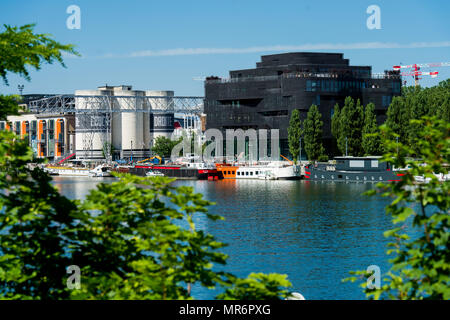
(315, 232)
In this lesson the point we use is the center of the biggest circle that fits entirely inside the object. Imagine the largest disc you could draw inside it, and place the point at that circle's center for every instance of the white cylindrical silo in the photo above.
(90, 125)
(128, 133)
(161, 120)
(146, 128)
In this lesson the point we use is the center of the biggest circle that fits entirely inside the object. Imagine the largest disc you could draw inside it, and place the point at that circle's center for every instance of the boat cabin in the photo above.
(371, 163)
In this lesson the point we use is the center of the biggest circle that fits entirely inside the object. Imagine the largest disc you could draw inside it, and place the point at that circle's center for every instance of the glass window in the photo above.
(317, 100)
(308, 85)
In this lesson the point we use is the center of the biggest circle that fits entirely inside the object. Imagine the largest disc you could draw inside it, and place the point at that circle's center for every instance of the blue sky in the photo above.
(163, 45)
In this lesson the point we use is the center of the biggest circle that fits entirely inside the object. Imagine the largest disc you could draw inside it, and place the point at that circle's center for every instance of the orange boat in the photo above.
(269, 171)
(228, 170)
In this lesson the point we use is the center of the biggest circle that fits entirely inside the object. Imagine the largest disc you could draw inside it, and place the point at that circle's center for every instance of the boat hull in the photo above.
(68, 172)
(351, 176)
(178, 172)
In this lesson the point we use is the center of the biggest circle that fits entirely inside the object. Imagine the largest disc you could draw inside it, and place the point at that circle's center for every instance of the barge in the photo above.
(190, 171)
(355, 169)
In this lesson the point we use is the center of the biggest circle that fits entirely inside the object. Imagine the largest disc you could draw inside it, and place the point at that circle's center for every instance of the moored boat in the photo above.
(355, 169)
(67, 171)
(179, 171)
(154, 173)
(262, 170)
(101, 171)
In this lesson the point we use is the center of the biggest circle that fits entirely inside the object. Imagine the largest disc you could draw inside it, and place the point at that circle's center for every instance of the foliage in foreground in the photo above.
(21, 47)
(132, 239)
(421, 263)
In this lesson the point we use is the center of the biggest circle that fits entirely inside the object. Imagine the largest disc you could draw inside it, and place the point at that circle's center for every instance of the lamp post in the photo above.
(300, 159)
(20, 87)
(346, 146)
(131, 160)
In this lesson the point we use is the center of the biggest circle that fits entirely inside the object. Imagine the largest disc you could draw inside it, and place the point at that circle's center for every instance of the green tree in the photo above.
(294, 134)
(420, 263)
(35, 227)
(415, 103)
(350, 127)
(335, 126)
(335, 121)
(20, 47)
(370, 140)
(163, 146)
(398, 118)
(313, 133)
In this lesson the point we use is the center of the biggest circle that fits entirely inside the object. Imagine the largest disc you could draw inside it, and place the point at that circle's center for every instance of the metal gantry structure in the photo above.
(102, 108)
(63, 104)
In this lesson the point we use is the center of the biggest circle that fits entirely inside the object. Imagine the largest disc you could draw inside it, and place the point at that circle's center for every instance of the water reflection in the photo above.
(313, 231)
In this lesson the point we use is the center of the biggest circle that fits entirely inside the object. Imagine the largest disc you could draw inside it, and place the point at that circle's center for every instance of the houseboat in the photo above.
(355, 169)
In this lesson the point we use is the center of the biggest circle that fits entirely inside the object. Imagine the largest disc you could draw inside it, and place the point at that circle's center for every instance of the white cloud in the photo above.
(275, 48)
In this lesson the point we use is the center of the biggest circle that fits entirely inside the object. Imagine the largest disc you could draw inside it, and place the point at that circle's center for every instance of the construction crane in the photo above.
(415, 73)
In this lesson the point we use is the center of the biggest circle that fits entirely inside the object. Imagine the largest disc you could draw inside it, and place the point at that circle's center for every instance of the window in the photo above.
(246, 173)
(312, 85)
(356, 163)
(396, 85)
(317, 100)
(386, 101)
(251, 173)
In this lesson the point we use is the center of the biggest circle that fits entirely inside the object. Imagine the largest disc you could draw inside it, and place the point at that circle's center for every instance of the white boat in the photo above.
(67, 171)
(101, 171)
(266, 175)
(263, 170)
(154, 173)
(441, 178)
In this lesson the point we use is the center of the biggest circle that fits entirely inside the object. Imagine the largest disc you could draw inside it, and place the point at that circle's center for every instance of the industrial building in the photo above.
(264, 97)
(121, 125)
(50, 136)
(110, 123)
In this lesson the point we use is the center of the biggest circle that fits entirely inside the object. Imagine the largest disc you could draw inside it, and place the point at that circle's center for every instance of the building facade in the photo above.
(264, 97)
(50, 136)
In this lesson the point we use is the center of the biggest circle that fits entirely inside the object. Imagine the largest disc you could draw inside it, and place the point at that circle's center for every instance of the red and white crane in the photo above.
(415, 73)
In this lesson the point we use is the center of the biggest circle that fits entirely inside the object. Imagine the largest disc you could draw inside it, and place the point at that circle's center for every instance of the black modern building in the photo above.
(264, 97)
